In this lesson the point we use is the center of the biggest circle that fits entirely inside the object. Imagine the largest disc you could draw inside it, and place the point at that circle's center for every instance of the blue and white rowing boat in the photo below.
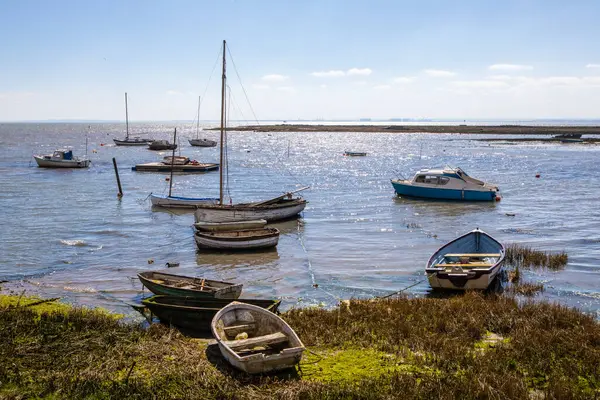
(471, 261)
(446, 183)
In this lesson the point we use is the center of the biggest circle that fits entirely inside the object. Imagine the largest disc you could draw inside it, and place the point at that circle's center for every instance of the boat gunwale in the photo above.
(223, 235)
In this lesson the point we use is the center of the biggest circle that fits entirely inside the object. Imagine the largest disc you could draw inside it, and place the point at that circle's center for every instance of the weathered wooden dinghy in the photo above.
(195, 314)
(471, 261)
(248, 239)
(255, 340)
(185, 286)
(230, 226)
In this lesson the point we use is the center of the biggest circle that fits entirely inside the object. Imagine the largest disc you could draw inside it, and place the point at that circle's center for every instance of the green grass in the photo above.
(393, 348)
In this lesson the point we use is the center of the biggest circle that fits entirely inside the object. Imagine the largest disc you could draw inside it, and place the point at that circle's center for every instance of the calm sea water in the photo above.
(66, 234)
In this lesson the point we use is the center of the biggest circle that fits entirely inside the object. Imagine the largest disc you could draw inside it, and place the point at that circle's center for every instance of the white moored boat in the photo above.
(281, 207)
(447, 184)
(201, 142)
(61, 159)
(130, 141)
(239, 240)
(255, 340)
(471, 261)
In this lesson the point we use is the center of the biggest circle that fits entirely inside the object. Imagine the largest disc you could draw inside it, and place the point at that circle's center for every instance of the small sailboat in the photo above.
(133, 141)
(61, 159)
(170, 201)
(201, 142)
(255, 340)
(185, 286)
(471, 261)
(195, 314)
(445, 183)
(279, 208)
(238, 240)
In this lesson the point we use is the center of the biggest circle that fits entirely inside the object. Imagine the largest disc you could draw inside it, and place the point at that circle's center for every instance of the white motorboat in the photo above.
(61, 159)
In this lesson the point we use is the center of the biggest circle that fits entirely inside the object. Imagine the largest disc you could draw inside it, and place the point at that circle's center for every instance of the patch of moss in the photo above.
(351, 365)
(48, 306)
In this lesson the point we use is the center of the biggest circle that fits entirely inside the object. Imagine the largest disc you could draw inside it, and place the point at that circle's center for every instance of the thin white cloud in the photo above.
(323, 86)
(561, 81)
(174, 93)
(260, 86)
(359, 71)
(510, 67)
(329, 74)
(287, 89)
(275, 78)
(501, 77)
(404, 79)
(359, 83)
(439, 73)
(382, 87)
(480, 84)
(593, 66)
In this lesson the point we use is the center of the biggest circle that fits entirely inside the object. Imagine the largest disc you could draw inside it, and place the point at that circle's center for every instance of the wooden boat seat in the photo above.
(468, 265)
(274, 338)
(473, 255)
(236, 329)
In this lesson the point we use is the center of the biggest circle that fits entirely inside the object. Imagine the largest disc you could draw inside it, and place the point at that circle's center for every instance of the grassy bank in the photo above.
(468, 129)
(465, 347)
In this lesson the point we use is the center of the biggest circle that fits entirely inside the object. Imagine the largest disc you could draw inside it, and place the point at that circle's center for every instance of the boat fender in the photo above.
(537, 175)
(167, 179)
(498, 198)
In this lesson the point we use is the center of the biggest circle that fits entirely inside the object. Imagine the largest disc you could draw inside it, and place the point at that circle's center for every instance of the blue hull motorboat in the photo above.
(445, 184)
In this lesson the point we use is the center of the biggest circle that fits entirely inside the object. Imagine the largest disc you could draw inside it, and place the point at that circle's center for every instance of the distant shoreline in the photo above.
(459, 129)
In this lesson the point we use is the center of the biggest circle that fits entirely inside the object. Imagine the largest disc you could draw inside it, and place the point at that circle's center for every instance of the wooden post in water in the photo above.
(172, 161)
(118, 179)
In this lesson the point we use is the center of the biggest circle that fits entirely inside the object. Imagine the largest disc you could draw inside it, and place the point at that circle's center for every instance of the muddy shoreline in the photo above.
(460, 129)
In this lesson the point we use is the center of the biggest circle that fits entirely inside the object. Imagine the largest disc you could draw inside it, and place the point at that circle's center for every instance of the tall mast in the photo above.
(198, 121)
(172, 161)
(223, 83)
(126, 119)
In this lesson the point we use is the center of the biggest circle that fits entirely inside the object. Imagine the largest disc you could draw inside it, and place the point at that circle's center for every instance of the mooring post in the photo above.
(118, 180)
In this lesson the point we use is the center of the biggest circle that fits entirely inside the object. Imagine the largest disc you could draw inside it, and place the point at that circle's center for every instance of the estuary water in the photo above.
(66, 234)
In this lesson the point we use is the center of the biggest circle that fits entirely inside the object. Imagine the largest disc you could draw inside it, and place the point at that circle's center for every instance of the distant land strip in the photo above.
(465, 129)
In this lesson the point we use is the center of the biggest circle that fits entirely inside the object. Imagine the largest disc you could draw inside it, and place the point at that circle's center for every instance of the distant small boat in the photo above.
(471, 261)
(255, 340)
(445, 183)
(568, 136)
(135, 141)
(238, 240)
(185, 286)
(355, 153)
(61, 159)
(201, 142)
(161, 145)
(195, 314)
(191, 167)
(229, 226)
(571, 140)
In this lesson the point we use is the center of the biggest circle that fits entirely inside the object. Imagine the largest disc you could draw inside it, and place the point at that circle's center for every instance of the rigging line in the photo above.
(242, 85)
(210, 76)
(235, 105)
(310, 268)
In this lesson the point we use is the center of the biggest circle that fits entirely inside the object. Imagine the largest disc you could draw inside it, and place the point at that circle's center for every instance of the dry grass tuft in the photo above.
(526, 257)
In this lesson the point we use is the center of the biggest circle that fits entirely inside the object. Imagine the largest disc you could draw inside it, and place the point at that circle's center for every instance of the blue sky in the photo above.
(300, 59)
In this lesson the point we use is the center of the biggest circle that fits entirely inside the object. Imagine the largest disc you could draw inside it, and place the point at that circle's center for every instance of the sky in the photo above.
(309, 59)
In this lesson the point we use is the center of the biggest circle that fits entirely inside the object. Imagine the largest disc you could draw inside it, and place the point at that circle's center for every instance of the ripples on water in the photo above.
(66, 234)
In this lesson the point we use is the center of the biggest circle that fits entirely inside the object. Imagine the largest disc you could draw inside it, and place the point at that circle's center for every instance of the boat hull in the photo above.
(162, 167)
(247, 212)
(195, 314)
(229, 226)
(409, 190)
(226, 291)
(257, 361)
(46, 163)
(202, 142)
(179, 202)
(471, 261)
(142, 142)
(229, 240)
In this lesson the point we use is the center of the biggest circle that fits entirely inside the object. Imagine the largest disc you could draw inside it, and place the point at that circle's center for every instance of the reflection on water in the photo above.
(67, 235)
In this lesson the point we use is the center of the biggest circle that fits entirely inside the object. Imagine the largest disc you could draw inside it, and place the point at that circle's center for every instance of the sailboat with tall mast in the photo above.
(278, 208)
(171, 201)
(134, 141)
(201, 142)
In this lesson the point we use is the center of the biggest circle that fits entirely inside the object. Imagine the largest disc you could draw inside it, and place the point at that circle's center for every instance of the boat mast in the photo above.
(198, 121)
(172, 161)
(223, 79)
(126, 119)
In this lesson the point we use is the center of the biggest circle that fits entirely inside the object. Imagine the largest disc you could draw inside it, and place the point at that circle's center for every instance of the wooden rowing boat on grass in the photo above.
(193, 314)
(471, 261)
(255, 340)
(185, 286)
